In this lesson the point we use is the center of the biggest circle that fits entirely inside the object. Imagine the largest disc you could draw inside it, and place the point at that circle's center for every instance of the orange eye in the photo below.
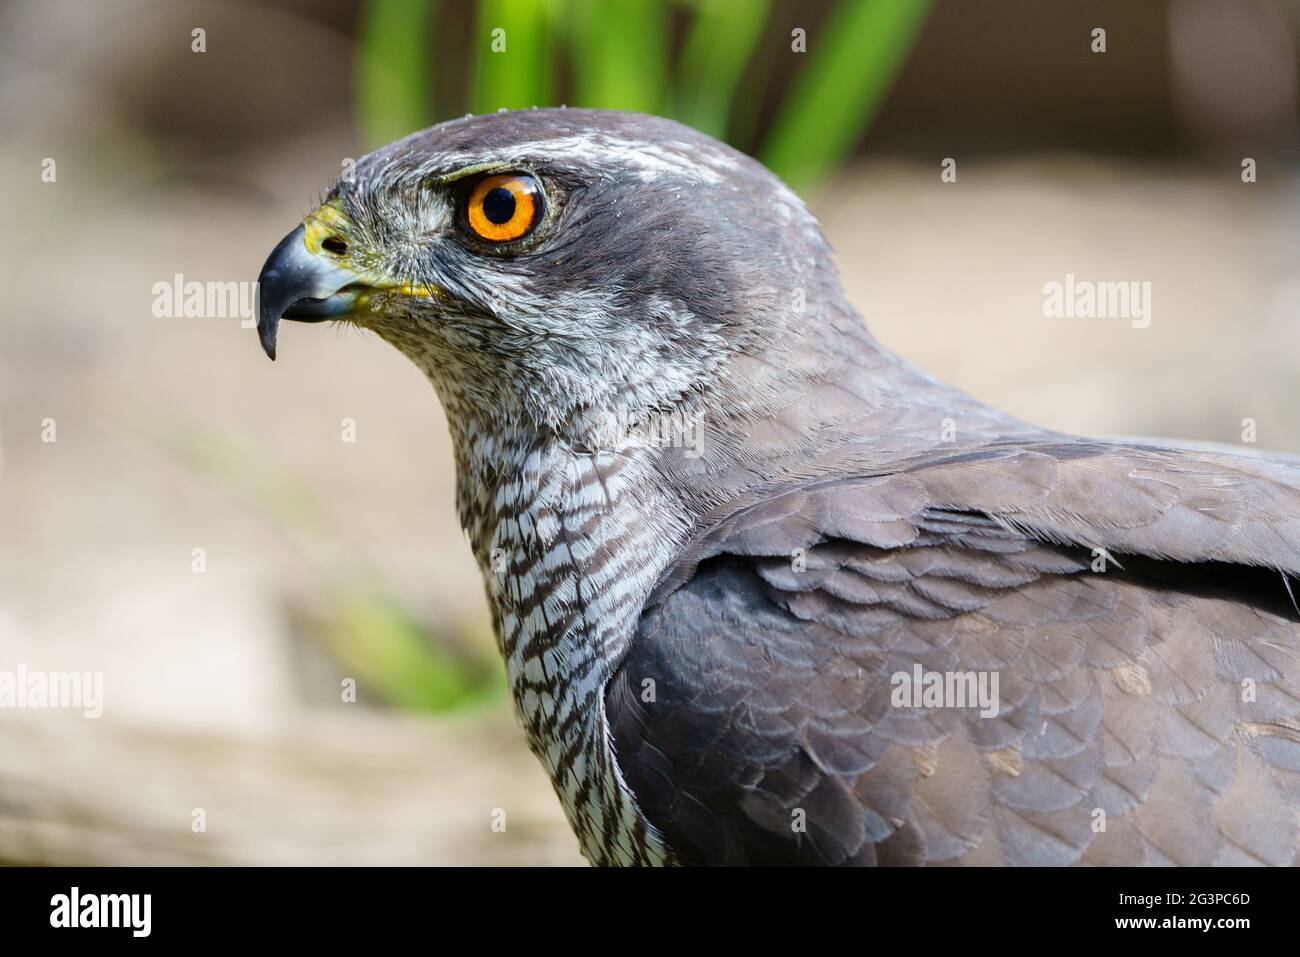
(504, 208)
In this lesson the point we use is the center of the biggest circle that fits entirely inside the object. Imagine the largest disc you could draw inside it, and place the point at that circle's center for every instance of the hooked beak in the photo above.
(297, 283)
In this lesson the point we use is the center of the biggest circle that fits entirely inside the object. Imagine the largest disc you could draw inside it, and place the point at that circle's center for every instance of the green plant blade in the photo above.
(392, 69)
(853, 59)
(512, 65)
(717, 49)
(386, 650)
(619, 51)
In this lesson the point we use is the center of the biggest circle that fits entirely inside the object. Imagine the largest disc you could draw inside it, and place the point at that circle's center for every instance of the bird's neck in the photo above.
(569, 545)
(571, 541)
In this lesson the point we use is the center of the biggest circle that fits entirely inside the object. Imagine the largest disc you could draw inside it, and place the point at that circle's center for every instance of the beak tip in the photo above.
(300, 285)
(266, 334)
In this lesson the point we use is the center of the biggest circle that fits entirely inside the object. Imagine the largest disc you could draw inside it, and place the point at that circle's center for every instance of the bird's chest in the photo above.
(567, 570)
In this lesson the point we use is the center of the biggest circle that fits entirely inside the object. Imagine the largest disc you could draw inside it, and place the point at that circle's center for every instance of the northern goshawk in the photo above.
(766, 593)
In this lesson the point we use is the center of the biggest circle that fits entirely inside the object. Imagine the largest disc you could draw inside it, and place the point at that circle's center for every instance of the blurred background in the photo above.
(202, 531)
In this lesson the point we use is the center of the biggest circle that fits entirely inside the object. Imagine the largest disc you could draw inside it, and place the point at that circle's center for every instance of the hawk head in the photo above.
(554, 268)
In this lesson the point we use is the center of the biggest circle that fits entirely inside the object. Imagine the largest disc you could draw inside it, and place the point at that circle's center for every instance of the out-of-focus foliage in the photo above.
(392, 68)
(719, 46)
(388, 647)
(620, 54)
(521, 74)
(844, 84)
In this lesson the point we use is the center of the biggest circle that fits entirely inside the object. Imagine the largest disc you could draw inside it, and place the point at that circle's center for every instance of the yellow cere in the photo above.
(326, 221)
(329, 220)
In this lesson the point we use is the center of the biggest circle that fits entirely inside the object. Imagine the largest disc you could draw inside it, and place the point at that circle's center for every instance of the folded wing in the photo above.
(1133, 602)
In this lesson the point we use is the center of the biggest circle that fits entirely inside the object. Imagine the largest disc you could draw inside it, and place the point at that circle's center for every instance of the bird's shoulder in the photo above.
(1131, 600)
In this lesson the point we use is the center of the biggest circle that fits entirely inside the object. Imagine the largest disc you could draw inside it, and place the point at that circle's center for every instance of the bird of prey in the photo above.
(769, 594)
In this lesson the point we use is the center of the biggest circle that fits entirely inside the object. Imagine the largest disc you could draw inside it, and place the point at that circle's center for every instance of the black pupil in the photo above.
(499, 205)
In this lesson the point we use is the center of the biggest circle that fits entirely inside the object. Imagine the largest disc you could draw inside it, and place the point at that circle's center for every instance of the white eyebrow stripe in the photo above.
(601, 149)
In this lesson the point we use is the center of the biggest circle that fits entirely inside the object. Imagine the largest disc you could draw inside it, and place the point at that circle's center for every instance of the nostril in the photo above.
(332, 244)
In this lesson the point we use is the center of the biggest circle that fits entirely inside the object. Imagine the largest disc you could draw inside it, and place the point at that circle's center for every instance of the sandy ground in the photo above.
(177, 434)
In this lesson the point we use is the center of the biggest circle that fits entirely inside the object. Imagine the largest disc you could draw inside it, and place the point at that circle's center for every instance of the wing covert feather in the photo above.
(1149, 713)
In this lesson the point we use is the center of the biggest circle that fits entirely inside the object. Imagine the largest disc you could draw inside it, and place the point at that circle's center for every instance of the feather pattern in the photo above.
(1148, 702)
(702, 624)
